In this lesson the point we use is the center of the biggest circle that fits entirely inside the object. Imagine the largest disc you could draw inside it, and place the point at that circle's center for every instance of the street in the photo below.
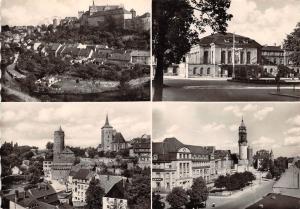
(223, 90)
(239, 200)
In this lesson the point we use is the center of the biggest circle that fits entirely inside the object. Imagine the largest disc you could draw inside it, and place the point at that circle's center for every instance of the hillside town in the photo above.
(111, 175)
(102, 55)
(197, 176)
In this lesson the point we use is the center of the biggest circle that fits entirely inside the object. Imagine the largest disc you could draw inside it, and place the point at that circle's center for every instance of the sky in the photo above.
(269, 125)
(34, 123)
(266, 21)
(36, 12)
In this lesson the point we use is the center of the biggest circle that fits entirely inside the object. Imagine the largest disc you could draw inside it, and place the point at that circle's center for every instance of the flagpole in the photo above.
(233, 55)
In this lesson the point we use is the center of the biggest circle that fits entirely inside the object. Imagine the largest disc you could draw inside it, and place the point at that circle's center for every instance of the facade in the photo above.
(63, 159)
(175, 164)
(214, 56)
(111, 140)
(141, 148)
(114, 16)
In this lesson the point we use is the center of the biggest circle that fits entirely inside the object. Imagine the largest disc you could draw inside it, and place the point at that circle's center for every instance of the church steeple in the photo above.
(106, 121)
(93, 3)
(107, 125)
(242, 132)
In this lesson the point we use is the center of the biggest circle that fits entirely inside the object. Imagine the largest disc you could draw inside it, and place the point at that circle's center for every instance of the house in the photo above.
(53, 48)
(141, 149)
(120, 58)
(140, 57)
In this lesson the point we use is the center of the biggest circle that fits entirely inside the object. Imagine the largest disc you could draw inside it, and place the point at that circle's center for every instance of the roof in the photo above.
(53, 46)
(272, 48)
(105, 7)
(82, 174)
(166, 150)
(147, 14)
(111, 12)
(43, 191)
(222, 154)
(117, 191)
(118, 138)
(108, 181)
(227, 40)
(67, 151)
(107, 125)
(84, 52)
(119, 57)
(140, 53)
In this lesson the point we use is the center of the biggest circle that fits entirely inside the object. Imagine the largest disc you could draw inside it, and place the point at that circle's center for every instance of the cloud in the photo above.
(263, 142)
(212, 127)
(234, 109)
(250, 107)
(261, 114)
(293, 131)
(266, 25)
(294, 120)
(233, 127)
(20, 12)
(292, 141)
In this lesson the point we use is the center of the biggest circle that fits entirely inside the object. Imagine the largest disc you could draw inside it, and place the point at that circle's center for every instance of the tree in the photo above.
(156, 203)
(177, 197)
(198, 193)
(138, 192)
(291, 43)
(173, 35)
(94, 194)
(49, 145)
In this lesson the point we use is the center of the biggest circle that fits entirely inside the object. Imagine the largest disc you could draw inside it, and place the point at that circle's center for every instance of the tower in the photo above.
(250, 155)
(243, 141)
(59, 141)
(133, 13)
(106, 135)
(271, 155)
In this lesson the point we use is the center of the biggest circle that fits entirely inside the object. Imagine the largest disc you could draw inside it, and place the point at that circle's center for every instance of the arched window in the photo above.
(201, 71)
(208, 71)
(271, 70)
(194, 71)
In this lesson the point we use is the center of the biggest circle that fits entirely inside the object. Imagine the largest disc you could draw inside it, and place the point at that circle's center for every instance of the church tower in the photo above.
(243, 143)
(106, 135)
(59, 141)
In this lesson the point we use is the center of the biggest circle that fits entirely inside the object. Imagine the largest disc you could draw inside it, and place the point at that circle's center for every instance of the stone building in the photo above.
(175, 164)
(63, 159)
(141, 148)
(114, 16)
(111, 140)
(215, 55)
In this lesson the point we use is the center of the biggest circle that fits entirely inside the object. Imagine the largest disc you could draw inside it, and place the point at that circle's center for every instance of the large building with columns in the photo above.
(215, 55)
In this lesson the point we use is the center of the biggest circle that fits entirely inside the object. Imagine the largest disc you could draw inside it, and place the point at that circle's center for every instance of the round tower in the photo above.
(59, 141)
(243, 143)
(133, 13)
(106, 135)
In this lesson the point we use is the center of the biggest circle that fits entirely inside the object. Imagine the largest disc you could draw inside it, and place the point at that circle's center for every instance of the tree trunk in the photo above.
(159, 80)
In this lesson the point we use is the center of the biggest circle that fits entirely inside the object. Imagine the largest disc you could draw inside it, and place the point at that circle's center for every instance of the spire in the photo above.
(242, 122)
(106, 121)
(93, 3)
(60, 129)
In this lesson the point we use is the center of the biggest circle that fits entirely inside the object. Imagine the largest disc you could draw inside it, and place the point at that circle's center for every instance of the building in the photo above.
(113, 16)
(63, 159)
(141, 148)
(175, 164)
(111, 140)
(215, 55)
(140, 57)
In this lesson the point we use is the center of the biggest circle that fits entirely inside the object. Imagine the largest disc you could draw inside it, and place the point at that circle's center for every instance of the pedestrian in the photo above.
(277, 80)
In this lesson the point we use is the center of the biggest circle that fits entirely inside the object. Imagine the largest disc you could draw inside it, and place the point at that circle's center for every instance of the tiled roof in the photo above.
(82, 174)
(199, 149)
(108, 181)
(118, 138)
(272, 48)
(120, 57)
(43, 191)
(227, 40)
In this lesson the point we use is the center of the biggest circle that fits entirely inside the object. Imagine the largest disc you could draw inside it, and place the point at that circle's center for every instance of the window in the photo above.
(223, 57)
(194, 71)
(229, 57)
(208, 71)
(248, 57)
(242, 58)
(205, 60)
(201, 71)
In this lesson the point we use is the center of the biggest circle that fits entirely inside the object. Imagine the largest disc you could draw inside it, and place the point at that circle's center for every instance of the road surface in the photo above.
(223, 90)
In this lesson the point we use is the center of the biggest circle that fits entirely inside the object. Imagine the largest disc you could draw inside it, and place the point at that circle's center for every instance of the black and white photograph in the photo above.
(225, 155)
(76, 155)
(75, 50)
(226, 50)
